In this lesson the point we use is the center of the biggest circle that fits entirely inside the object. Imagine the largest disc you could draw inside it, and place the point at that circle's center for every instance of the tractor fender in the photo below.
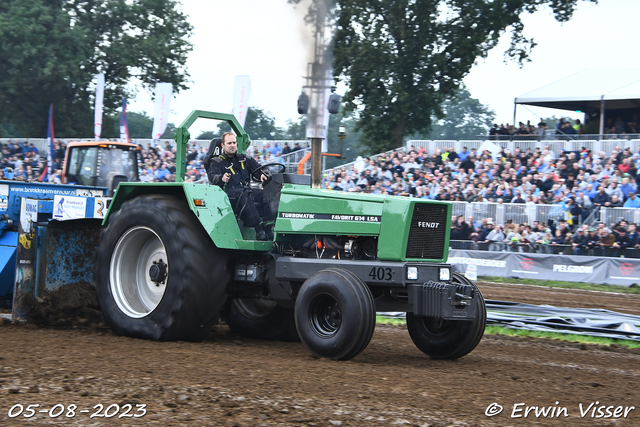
(209, 203)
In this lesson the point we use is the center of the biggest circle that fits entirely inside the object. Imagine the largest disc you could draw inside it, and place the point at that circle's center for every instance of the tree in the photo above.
(296, 130)
(258, 124)
(140, 127)
(463, 118)
(401, 60)
(52, 49)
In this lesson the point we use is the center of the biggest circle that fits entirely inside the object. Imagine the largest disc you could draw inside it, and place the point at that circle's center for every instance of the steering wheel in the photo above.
(264, 169)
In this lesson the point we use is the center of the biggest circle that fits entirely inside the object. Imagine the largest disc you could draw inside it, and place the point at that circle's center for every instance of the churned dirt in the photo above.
(235, 381)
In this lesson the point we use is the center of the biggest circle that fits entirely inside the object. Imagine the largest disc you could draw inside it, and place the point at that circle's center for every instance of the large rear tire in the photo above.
(261, 319)
(449, 339)
(335, 314)
(160, 276)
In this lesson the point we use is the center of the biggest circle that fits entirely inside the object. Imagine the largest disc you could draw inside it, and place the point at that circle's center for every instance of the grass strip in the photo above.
(500, 330)
(559, 284)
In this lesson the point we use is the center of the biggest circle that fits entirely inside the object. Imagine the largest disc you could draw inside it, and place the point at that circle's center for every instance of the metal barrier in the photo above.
(549, 249)
(500, 213)
(503, 212)
(612, 216)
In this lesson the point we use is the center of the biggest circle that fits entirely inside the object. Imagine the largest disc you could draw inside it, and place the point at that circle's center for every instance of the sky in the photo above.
(266, 40)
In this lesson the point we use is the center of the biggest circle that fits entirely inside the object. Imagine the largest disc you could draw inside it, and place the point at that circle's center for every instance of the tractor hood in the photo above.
(408, 229)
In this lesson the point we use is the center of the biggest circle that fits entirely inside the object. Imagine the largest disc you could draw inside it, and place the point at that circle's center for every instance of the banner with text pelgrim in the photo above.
(586, 269)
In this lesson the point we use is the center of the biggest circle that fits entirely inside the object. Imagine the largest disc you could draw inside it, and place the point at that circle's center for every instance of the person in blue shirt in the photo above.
(626, 187)
(463, 154)
(632, 201)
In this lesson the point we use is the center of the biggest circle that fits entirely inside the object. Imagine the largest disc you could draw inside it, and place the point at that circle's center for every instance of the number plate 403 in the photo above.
(381, 274)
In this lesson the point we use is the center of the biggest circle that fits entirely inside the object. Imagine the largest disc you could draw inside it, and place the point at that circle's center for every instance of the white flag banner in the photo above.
(164, 92)
(97, 123)
(241, 98)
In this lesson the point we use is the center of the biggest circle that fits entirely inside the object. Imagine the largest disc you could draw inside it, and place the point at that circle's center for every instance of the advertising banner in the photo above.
(569, 268)
(623, 271)
(69, 207)
(124, 125)
(164, 92)
(241, 94)
(97, 123)
(100, 207)
(487, 263)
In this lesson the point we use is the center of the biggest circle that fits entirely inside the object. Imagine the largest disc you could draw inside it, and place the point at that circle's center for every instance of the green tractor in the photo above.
(174, 259)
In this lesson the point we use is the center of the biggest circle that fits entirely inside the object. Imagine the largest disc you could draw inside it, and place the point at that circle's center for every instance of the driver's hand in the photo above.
(226, 177)
(263, 178)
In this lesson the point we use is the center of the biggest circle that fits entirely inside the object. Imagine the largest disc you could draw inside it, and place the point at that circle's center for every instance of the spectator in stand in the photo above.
(634, 237)
(601, 197)
(593, 241)
(278, 158)
(486, 228)
(632, 202)
(622, 239)
(557, 239)
(627, 187)
(461, 229)
(543, 243)
(495, 238)
(56, 177)
(464, 154)
(580, 240)
(614, 189)
(606, 242)
(274, 149)
(615, 202)
(567, 245)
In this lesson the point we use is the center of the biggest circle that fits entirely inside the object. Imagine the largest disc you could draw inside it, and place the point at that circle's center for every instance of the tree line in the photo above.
(402, 61)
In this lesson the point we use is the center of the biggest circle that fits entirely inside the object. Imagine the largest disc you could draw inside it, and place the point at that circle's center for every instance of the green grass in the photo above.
(389, 321)
(500, 330)
(560, 284)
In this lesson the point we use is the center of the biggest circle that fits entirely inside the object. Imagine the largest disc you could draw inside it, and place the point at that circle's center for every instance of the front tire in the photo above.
(160, 276)
(335, 314)
(449, 339)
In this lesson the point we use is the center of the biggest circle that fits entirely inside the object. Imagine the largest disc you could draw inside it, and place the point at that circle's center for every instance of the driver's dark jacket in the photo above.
(239, 166)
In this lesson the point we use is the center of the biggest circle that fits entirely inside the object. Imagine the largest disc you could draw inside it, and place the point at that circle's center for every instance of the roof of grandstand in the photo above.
(586, 89)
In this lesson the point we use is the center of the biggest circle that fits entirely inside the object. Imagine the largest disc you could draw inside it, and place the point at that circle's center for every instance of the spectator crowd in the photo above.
(23, 161)
(576, 182)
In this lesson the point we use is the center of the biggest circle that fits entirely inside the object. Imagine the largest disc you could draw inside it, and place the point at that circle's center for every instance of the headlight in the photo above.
(445, 274)
(412, 273)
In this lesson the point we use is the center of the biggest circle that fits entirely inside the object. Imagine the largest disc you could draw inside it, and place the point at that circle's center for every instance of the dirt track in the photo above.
(229, 380)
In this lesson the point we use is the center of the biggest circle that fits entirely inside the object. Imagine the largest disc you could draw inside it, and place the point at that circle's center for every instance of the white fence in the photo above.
(521, 213)
(502, 212)
(595, 146)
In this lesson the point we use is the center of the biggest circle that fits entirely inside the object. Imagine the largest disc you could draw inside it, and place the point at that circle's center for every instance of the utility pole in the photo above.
(318, 86)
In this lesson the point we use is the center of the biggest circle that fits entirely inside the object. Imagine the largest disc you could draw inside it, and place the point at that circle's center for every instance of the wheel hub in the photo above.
(325, 316)
(158, 272)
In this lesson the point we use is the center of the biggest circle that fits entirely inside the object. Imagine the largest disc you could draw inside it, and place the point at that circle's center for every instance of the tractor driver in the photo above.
(232, 172)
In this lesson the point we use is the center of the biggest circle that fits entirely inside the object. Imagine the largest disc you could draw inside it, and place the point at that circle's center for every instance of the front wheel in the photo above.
(335, 314)
(160, 276)
(449, 339)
